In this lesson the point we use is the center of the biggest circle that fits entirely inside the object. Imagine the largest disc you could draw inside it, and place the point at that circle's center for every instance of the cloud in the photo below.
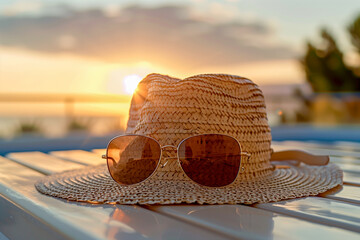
(168, 36)
(21, 7)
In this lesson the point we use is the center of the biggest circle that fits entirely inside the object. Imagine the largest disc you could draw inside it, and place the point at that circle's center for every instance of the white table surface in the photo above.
(25, 213)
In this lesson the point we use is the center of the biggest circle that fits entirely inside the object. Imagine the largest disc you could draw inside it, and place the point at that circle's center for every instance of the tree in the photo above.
(354, 30)
(325, 68)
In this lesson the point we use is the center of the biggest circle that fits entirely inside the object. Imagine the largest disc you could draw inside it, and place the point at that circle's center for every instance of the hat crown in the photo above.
(170, 110)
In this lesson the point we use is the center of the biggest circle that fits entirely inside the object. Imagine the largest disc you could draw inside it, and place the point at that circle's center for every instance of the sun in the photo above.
(131, 82)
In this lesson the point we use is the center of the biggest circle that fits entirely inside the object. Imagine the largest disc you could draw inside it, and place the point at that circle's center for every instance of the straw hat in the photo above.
(170, 110)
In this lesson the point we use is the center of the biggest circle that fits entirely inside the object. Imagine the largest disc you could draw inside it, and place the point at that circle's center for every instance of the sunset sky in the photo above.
(75, 46)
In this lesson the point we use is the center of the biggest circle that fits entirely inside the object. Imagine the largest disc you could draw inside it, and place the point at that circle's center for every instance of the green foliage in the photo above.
(354, 30)
(325, 68)
(78, 125)
(28, 128)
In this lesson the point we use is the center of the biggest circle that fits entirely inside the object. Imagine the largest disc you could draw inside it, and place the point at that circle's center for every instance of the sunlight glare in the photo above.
(131, 82)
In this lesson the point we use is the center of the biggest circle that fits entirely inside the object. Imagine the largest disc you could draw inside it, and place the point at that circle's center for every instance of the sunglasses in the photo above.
(212, 160)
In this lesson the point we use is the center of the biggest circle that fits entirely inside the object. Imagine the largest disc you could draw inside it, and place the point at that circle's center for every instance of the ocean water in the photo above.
(53, 120)
(58, 126)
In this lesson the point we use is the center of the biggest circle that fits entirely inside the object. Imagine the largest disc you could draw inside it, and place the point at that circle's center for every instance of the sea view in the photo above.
(52, 118)
(69, 86)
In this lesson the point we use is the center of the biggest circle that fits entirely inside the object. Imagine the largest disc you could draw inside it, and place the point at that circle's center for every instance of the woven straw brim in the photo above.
(94, 184)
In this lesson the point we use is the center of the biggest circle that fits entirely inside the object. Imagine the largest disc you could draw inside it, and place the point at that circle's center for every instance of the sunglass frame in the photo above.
(240, 169)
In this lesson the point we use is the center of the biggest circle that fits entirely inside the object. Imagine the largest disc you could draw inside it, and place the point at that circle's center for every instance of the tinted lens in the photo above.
(211, 160)
(132, 159)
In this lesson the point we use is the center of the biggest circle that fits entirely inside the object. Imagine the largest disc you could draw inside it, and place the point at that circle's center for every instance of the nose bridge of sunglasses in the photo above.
(168, 147)
(168, 153)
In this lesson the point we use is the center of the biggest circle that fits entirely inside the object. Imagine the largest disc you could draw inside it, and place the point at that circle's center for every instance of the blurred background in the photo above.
(68, 67)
